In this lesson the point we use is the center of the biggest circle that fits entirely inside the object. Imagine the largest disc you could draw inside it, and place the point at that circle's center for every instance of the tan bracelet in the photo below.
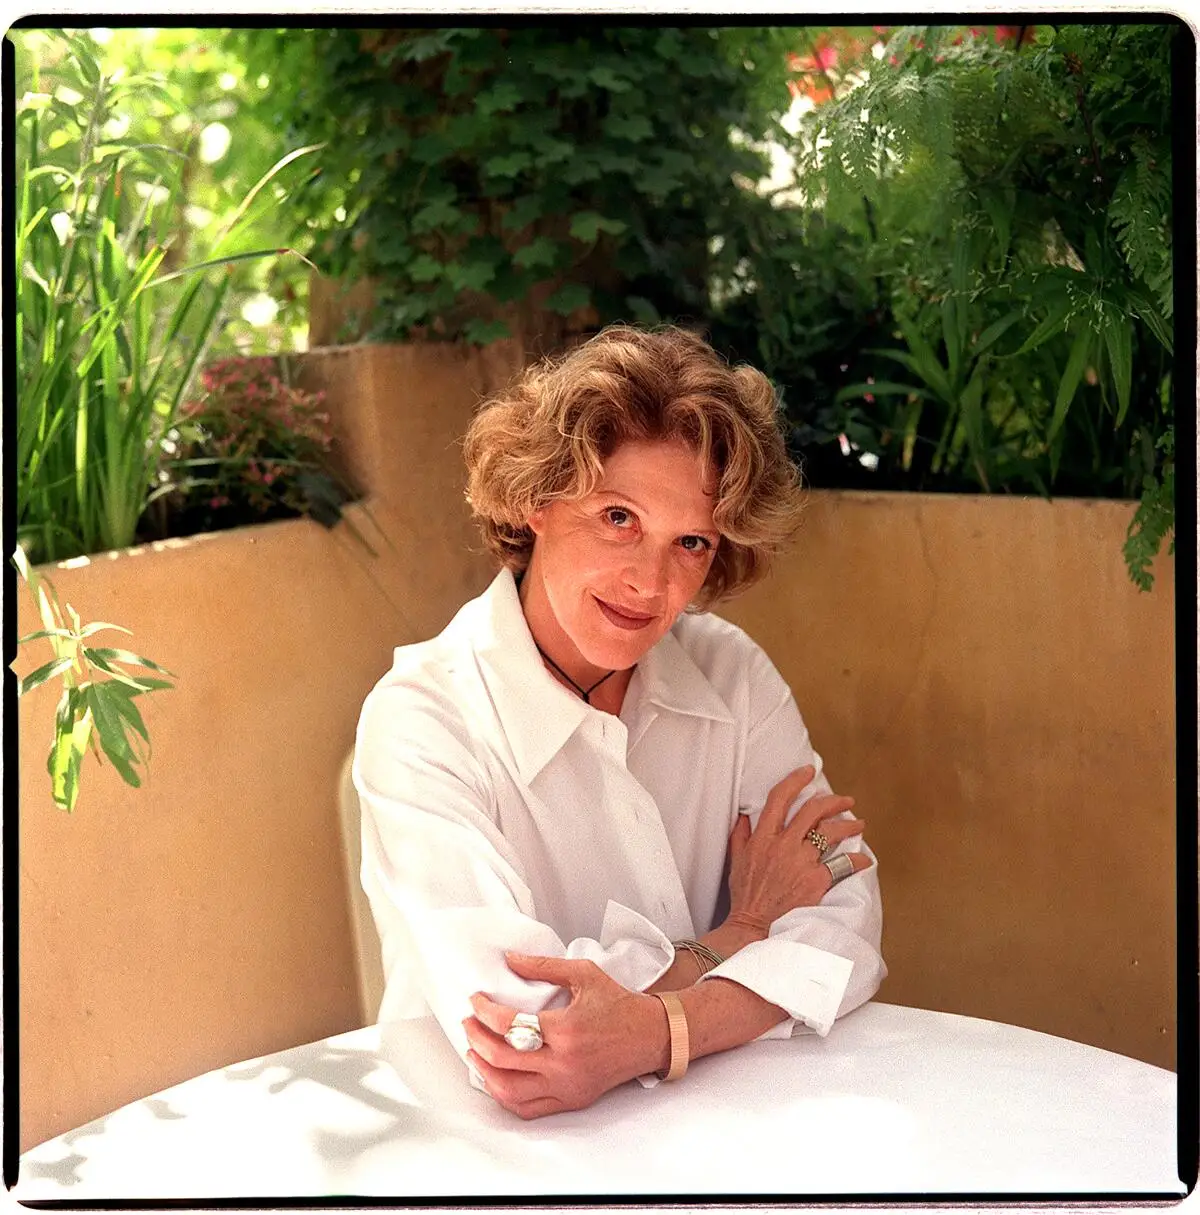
(677, 1026)
(702, 953)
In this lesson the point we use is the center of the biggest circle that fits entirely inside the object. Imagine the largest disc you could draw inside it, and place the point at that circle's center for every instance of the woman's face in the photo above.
(611, 572)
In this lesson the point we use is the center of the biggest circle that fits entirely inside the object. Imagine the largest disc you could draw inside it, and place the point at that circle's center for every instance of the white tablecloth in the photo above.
(896, 1101)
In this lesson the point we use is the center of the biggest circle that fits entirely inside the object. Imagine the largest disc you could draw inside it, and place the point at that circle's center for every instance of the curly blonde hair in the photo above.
(547, 437)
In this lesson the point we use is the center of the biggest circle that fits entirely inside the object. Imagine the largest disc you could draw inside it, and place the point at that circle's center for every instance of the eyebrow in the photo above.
(616, 493)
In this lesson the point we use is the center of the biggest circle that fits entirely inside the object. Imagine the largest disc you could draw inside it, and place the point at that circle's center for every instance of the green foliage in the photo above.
(788, 296)
(1018, 203)
(110, 327)
(1155, 518)
(200, 100)
(95, 712)
(477, 171)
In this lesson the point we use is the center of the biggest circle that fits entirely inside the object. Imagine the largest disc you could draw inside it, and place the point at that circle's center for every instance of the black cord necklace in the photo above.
(585, 693)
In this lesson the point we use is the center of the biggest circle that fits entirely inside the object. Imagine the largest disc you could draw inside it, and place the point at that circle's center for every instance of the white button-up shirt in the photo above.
(499, 811)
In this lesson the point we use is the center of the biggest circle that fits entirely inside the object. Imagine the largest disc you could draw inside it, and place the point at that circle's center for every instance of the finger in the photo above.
(859, 860)
(570, 973)
(819, 808)
(496, 1017)
(496, 1050)
(781, 797)
(538, 1107)
(740, 833)
(839, 829)
(509, 1087)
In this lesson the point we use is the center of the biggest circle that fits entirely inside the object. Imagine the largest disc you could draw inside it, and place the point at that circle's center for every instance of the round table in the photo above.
(896, 1101)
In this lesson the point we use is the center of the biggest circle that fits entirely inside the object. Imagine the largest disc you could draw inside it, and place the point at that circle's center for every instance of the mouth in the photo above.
(622, 617)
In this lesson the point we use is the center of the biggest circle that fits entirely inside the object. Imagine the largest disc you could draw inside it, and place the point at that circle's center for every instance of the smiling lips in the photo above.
(631, 621)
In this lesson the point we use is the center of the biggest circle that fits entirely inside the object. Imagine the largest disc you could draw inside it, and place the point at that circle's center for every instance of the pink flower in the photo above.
(826, 57)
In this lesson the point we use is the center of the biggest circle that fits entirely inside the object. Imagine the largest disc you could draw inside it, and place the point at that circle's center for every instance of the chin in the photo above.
(606, 646)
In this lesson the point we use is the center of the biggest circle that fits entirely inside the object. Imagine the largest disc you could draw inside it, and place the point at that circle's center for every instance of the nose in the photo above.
(646, 573)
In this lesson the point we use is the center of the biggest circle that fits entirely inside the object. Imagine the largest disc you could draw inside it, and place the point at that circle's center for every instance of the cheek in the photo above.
(690, 578)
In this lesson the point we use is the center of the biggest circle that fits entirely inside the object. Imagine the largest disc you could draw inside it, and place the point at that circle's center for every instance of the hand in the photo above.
(603, 1037)
(774, 868)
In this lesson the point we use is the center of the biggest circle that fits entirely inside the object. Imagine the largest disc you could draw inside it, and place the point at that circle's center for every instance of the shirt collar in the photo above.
(537, 713)
(671, 680)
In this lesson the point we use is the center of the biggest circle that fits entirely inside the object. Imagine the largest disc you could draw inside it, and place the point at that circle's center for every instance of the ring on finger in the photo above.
(525, 1032)
(839, 867)
(819, 841)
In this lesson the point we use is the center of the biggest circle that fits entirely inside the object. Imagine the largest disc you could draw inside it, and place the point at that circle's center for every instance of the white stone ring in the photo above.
(525, 1033)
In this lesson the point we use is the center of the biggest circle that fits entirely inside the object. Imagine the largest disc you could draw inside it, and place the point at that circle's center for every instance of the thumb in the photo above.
(563, 972)
(741, 831)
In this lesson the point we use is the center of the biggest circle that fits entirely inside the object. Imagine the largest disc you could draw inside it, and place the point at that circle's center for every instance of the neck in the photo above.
(584, 692)
(596, 686)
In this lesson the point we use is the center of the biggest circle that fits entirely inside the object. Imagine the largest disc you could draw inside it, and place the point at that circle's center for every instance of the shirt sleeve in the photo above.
(817, 963)
(447, 891)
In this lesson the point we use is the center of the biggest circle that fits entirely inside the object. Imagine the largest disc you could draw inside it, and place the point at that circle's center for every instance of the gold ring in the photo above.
(819, 841)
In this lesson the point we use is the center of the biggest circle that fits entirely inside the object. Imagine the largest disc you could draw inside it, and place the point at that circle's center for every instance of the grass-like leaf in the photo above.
(110, 727)
(109, 654)
(44, 673)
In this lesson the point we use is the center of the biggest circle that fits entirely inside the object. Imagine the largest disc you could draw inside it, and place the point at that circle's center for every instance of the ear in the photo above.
(537, 521)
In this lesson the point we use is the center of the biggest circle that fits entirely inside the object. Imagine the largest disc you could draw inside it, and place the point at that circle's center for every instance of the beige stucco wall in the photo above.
(984, 679)
(979, 673)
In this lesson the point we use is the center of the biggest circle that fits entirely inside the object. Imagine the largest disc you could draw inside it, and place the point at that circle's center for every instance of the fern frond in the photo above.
(1140, 214)
(1154, 518)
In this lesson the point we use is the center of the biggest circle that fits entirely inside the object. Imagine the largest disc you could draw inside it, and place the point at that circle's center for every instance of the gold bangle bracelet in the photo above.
(677, 1027)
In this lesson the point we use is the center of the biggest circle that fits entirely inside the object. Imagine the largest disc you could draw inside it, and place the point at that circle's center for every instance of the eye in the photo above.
(618, 516)
(696, 544)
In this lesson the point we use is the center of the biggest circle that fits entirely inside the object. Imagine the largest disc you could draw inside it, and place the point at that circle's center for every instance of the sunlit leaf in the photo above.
(43, 673)
(109, 654)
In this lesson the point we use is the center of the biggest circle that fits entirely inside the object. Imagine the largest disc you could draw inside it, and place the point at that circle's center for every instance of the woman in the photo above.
(597, 841)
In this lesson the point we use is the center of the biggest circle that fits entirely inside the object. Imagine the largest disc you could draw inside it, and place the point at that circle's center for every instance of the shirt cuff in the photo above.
(807, 983)
(632, 950)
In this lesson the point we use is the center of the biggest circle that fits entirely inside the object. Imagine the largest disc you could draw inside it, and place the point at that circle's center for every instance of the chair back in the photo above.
(367, 953)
